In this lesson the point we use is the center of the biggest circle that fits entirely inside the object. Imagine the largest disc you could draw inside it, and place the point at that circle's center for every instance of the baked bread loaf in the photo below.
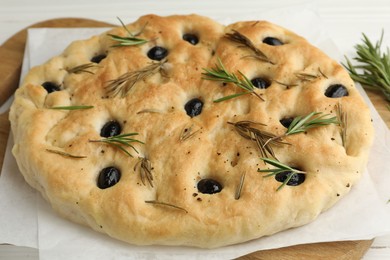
(181, 131)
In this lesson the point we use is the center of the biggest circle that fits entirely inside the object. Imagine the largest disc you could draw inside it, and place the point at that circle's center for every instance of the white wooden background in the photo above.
(345, 20)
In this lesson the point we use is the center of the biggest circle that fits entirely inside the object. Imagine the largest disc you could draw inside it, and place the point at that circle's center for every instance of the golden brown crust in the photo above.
(154, 108)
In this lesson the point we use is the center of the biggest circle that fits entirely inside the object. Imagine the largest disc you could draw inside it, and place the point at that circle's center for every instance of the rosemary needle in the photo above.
(145, 170)
(72, 107)
(237, 195)
(82, 68)
(66, 154)
(155, 202)
(373, 68)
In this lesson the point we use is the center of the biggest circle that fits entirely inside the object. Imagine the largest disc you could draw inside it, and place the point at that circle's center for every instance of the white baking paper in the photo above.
(27, 220)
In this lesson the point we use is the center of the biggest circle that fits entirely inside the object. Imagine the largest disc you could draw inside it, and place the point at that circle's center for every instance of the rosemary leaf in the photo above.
(129, 40)
(247, 43)
(221, 74)
(149, 110)
(165, 204)
(342, 118)
(66, 154)
(373, 67)
(120, 142)
(286, 84)
(230, 97)
(145, 170)
(72, 107)
(82, 68)
(187, 133)
(123, 84)
(306, 76)
(239, 187)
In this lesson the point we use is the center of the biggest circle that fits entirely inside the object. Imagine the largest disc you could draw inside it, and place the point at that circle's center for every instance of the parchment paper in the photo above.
(27, 220)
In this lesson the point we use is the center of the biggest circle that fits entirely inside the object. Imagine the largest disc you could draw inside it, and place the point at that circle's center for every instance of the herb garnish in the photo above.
(304, 76)
(220, 73)
(165, 204)
(247, 43)
(145, 170)
(129, 40)
(262, 138)
(149, 110)
(279, 168)
(72, 107)
(342, 118)
(120, 141)
(66, 154)
(123, 84)
(82, 68)
(237, 195)
(187, 133)
(373, 69)
(301, 124)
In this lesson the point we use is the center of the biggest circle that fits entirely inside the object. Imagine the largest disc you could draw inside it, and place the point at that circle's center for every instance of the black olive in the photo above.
(50, 86)
(194, 107)
(111, 128)
(336, 91)
(157, 53)
(261, 83)
(286, 122)
(191, 38)
(108, 177)
(209, 186)
(98, 58)
(296, 178)
(272, 41)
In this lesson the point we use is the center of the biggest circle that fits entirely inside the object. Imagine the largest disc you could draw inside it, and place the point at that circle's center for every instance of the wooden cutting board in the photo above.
(11, 53)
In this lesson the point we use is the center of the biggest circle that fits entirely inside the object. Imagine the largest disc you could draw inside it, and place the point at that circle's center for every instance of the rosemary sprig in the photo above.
(342, 118)
(66, 154)
(238, 37)
(301, 124)
(220, 73)
(82, 68)
(129, 40)
(279, 168)
(237, 195)
(123, 84)
(155, 202)
(145, 170)
(72, 107)
(120, 142)
(247, 130)
(373, 68)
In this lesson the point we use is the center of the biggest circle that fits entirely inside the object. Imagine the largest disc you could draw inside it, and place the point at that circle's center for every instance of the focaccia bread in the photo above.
(167, 130)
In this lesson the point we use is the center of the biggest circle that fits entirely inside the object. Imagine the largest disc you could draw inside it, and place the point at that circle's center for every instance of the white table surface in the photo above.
(345, 20)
